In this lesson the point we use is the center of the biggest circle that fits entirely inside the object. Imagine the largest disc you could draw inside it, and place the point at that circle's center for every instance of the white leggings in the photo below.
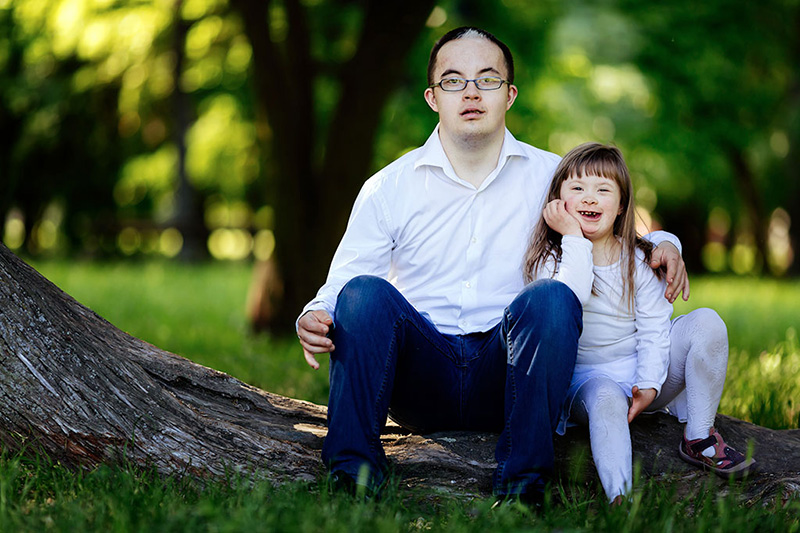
(698, 361)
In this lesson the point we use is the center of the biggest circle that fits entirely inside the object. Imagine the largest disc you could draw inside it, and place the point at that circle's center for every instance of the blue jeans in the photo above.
(512, 379)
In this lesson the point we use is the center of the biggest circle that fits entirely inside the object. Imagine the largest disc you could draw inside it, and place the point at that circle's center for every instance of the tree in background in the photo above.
(58, 141)
(320, 161)
(107, 109)
(725, 76)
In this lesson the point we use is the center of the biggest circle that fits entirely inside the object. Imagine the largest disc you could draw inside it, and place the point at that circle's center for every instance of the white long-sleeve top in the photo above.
(452, 249)
(629, 346)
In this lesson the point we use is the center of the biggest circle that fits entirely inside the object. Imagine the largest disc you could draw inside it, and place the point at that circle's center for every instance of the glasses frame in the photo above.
(466, 83)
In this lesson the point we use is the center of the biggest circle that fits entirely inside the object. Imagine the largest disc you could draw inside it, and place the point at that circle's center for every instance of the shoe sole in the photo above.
(739, 471)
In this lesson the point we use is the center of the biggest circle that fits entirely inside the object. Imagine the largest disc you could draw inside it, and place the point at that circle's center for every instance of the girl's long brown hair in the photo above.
(591, 159)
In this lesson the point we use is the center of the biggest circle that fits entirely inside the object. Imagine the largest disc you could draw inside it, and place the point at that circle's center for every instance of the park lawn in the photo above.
(198, 311)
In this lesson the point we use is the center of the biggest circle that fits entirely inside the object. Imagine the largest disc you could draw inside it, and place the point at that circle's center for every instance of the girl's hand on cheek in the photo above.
(560, 220)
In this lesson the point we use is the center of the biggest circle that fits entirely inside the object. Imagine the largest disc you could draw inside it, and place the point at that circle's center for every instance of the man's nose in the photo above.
(471, 90)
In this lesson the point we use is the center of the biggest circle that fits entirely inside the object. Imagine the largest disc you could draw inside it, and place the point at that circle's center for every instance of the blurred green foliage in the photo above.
(701, 98)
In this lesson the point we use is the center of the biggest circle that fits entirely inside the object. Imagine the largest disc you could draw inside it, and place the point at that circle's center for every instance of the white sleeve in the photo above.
(657, 237)
(365, 248)
(652, 317)
(576, 268)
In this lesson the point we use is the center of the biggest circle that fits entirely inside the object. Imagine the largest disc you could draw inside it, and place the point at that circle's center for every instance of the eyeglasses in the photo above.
(487, 83)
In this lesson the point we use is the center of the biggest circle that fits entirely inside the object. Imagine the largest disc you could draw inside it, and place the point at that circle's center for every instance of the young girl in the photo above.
(631, 358)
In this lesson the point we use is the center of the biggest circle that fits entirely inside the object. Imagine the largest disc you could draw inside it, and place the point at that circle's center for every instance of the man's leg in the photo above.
(541, 328)
(376, 327)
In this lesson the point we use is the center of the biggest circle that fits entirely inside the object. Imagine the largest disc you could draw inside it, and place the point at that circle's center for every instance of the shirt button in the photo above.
(467, 284)
(474, 240)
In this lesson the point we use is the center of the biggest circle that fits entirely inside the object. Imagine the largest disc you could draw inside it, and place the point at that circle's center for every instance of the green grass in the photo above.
(763, 319)
(198, 312)
(38, 496)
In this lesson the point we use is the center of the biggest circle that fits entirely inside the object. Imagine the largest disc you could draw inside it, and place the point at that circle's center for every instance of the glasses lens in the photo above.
(489, 83)
(453, 84)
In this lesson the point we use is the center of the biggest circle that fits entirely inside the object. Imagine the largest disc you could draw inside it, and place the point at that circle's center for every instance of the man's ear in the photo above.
(430, 97)
(512, 95)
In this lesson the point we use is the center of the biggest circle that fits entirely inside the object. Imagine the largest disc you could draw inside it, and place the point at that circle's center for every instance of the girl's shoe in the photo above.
(726, 462)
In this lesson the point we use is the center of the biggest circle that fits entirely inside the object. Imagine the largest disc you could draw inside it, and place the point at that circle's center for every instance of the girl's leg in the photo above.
(698, 363)
(603, 405)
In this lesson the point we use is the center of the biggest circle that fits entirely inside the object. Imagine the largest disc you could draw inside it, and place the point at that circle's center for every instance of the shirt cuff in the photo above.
(658, 237)
(649, 385)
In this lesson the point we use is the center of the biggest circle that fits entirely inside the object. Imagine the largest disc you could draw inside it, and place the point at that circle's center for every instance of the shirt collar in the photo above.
(432, 154)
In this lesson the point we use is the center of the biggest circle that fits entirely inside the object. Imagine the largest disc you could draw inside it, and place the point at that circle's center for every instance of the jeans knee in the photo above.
(552, 302)
(361, 297)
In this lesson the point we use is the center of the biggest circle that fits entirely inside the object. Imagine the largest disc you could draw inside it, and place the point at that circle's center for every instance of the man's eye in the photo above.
(453, 82)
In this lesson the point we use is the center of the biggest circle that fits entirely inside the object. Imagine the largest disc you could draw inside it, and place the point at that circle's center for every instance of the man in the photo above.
(425, 313)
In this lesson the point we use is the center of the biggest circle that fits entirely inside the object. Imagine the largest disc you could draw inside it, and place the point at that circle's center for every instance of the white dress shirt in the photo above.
(453, 250)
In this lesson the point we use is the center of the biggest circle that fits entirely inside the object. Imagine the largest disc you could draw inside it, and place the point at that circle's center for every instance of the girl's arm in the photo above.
(575, 269)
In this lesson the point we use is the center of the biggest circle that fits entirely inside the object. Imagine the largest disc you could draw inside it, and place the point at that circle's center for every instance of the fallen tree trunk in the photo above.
(79, 390)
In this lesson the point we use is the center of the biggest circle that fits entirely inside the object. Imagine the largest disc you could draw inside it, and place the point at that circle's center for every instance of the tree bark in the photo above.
(82, 392)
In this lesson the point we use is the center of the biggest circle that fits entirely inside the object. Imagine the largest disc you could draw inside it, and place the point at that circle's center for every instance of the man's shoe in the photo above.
(341, 481)
(533, 500)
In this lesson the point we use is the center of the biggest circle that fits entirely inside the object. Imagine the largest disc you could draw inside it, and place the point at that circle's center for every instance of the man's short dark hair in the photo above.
(469, 31)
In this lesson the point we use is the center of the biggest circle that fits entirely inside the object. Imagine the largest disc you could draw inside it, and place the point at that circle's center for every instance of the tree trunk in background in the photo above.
(312, 197)
(189, 216)
(751, 199)
(84, 393)
(791, 178)
(688, 223)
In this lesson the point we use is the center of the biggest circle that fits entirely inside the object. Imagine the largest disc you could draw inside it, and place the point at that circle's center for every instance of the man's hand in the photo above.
(667, 255)
(556, 215)
(311, 330)
(641, 399)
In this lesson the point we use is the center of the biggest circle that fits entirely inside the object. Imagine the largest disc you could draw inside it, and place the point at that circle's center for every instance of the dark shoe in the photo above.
(533, 500)
(342, 482)
(725, 461)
